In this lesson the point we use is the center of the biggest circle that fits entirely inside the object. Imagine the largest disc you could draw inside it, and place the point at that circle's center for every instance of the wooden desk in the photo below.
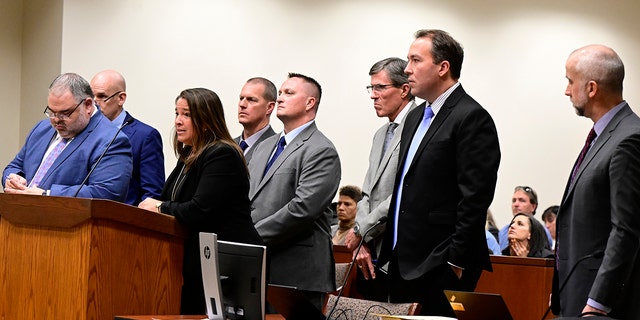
(524, 283)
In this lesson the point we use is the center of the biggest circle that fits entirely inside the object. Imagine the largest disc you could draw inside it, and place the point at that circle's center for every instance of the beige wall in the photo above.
(514, 65)
(10, 59)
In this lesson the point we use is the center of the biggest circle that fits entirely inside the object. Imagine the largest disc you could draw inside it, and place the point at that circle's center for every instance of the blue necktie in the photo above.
(281, 144)
(415, 142)
(243, 145)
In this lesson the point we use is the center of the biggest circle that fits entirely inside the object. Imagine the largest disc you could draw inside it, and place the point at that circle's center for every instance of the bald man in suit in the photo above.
(599, 208)
(294, 176)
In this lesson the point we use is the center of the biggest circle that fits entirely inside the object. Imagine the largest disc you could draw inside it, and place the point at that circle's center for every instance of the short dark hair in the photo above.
(444, 47)
(546, 215)
(352, 192)
(310, 80)
(270, 91)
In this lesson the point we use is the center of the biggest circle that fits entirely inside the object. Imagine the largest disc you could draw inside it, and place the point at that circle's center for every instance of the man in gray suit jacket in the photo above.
(392, 99)
(294, 176)
(599, 210)
(257, 100)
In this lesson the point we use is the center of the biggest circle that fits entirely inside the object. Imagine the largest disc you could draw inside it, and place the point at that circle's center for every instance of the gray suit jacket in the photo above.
(599, 212)
(290, 208)
(263, 137)
(378, 182)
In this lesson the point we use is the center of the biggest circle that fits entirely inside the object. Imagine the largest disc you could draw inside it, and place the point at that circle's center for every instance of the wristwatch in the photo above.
(356, 230)
(158, 205)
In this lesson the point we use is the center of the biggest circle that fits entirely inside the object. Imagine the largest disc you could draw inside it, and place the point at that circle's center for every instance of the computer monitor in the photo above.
(241, 274)
(210, 275)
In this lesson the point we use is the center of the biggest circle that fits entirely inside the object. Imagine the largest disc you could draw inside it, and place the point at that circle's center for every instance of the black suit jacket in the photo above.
(213, 198)
(447, 189)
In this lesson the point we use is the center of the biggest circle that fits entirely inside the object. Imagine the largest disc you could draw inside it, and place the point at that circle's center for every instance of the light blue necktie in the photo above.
(415, 143)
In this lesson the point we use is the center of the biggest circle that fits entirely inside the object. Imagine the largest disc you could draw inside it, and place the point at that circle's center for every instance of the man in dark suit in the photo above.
(257, 100)
(147, 178)
(598, 212)
(449, 157)
(294, 176)
(60, 152)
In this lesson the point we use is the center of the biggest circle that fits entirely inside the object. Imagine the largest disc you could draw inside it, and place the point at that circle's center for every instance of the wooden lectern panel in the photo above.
(524, 283)
(66, 258)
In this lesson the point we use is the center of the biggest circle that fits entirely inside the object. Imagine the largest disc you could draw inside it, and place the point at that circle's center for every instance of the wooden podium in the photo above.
(524, 283)
(70, 258)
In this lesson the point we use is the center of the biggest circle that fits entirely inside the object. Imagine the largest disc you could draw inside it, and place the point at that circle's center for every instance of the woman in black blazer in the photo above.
(208, 189)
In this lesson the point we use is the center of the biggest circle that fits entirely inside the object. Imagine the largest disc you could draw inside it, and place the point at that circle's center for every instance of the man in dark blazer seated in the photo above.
(449, 157)
(257, 100)
(60, 152)
(599, 209)
(147, 178)
(294, 176)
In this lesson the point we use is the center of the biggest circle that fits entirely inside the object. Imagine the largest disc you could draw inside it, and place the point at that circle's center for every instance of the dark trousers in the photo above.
(428, 289)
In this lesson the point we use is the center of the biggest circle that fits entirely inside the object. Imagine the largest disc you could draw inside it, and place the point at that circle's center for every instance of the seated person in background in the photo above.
(491, 233)
(208, 189)
(491, 225)
(61, 151)
(524, 200)
(549, 218)
(346, 209)
(527, 238)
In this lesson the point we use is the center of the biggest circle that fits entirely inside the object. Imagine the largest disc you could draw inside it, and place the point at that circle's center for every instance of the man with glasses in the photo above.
(524, 200)
(390, 92)
(60, 153)
(147, 178)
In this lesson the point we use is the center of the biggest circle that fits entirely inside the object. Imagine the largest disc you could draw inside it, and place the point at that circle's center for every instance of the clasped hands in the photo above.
(17, 184)
(519, 248)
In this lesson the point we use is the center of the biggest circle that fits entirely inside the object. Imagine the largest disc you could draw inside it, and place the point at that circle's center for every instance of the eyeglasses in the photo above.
(107, 98)
(63, 115)
(532, 194)
(377, 88)
(525, 189)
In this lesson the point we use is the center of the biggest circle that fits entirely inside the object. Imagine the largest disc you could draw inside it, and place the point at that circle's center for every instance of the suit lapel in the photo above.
(288, 151)
(437, 122)
(597, 146)
(393, 145)
(74, 144)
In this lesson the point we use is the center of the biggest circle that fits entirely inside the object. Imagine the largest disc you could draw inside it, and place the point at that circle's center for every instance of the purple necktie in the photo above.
(281, 144)
(592, 135)
(48, 161)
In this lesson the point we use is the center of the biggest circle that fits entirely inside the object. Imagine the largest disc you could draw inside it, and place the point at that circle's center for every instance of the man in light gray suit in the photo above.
(598, 225)
(257, 100)
(294, 176)
(392, 99)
